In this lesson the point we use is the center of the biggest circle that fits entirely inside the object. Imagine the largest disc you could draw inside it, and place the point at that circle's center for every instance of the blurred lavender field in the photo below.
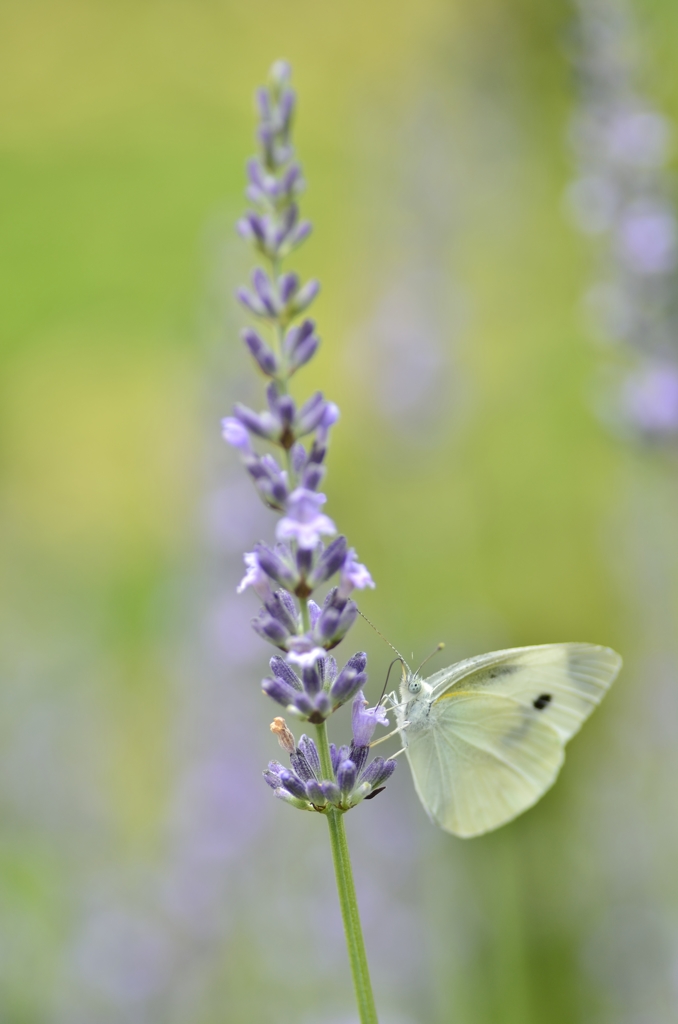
(494, 199)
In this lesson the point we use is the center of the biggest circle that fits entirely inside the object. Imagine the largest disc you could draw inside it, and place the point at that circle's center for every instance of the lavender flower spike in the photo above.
(320, 778)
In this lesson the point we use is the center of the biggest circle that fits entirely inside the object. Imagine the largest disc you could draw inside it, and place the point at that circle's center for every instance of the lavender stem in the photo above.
(347, 895)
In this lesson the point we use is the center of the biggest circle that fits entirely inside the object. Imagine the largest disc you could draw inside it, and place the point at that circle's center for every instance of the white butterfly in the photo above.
(486, 737)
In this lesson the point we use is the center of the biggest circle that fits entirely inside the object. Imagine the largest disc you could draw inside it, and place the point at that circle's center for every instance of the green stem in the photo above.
(347, 895)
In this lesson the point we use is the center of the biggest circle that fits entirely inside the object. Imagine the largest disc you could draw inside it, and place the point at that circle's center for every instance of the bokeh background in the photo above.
(146, 874)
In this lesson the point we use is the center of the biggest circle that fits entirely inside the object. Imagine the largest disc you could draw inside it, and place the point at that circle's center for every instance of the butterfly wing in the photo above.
(494, 739)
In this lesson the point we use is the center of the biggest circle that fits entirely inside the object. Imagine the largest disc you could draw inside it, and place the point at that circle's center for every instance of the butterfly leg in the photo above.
(382, 739)
(388, 735)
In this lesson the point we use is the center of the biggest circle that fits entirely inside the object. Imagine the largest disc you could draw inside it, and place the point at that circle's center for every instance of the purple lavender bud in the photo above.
(257, 227)
(304, 297)
(314, 612)
(346, 685)
(332, 792)
(286, 410)
(361, 792)
(300, 234)
(276, 565)
(310, 414)
(346, 776)
(301, 765)
(313, 476)
(311, 679)
(330, 417)
(330, 669)
(243, 225)
(263, 355)
(233, 431)
(277, 479)
(279, 691)
(359, 757)
(331, 560)
(283, 671)
(269, 480)
(378, 771)
(322, 705)
(303, 352)
(251, 302)
(357, 661)
(304, 705)
(293, 784)
(348, 617)
(256, 174)
(327, 625)
(298, 456)
(310, 752)
(365, 720)
(334, 599)
(270, 629)
(344, 754)
(284, 795)
(281, 606)
(290, 179)
(317, 453)
(334, 757)
(260, 425)
(264, 291)
(296, 335)
(272, 779)
(315, 793)
(288, 285)
(304, 561)
(287, 224)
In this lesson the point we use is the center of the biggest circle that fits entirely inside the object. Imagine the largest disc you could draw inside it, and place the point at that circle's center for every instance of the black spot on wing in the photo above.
(502, 670)
(542, 701)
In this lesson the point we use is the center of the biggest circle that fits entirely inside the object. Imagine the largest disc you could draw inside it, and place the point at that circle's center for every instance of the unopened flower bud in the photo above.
(285, 738)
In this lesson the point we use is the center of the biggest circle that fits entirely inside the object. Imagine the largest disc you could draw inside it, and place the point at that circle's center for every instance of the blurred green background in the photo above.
(146, 875)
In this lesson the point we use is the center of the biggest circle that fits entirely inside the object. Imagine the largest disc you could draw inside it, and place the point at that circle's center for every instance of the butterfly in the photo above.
(485, 738)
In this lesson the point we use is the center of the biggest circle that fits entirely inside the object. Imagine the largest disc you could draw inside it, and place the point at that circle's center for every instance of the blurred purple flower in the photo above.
(648, 239)
(650, 399)
(639, 139)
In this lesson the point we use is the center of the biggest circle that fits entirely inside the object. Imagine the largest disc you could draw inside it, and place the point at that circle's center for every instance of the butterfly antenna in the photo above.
(387, 675)
(440, 647)
(384, 639)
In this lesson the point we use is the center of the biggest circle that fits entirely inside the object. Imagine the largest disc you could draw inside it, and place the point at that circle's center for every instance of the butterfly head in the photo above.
(412, 686)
